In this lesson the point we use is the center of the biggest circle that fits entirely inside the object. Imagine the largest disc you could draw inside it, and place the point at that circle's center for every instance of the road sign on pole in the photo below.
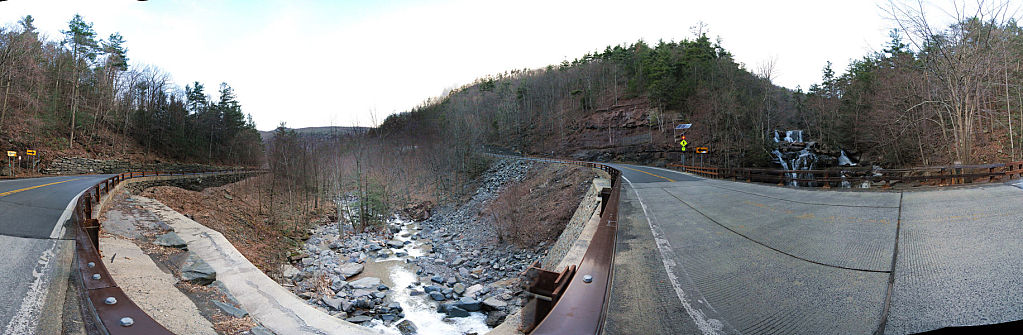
(702, 150)
(12, 154)
(30, 152)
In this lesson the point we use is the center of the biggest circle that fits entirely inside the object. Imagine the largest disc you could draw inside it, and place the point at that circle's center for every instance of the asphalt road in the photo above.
(759, 259)
(33, 212)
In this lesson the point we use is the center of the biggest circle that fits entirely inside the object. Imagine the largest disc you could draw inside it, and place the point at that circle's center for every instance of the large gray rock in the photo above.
(459, 288)
(289, 271)
(472, 290)
(494, 303)
(437, 296)
(231, 310)
(349, 270)
(453, 311)
(171, 240)
(358, 319)
(259, 330)
(333, 303)
(495, 318)
(366, 283)
(468, 304)
(197, 271)
(406, 327)
(395, 244)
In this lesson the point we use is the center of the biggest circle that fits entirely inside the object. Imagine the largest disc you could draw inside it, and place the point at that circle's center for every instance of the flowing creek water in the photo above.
(397, 273)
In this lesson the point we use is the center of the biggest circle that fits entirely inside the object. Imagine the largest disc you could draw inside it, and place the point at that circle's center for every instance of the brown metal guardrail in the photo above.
(101, 297)
(575, 301)
(569, 303)
(932, 175)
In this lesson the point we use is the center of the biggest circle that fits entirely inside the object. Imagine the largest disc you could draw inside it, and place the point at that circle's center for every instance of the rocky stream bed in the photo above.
(444, 274)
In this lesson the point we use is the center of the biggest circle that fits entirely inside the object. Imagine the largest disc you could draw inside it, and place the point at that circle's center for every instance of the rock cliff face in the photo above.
(78, 165)
(630, 131)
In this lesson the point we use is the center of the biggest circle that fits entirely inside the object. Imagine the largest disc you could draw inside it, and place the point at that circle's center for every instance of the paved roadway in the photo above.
(36, 247)
(709, 256)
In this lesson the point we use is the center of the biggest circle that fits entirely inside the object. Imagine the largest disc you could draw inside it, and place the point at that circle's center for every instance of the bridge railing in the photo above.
(112, 312)
(931, 175)
(575, 301)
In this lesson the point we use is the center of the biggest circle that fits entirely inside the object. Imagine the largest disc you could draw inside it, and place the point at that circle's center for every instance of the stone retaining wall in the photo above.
(79, 165)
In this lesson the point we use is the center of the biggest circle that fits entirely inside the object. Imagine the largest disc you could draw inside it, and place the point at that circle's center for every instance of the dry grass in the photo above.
(234, 210)
(538, 208)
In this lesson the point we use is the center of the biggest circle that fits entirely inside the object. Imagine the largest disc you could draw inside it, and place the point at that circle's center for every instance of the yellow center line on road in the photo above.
(665, 178)
(34, 187)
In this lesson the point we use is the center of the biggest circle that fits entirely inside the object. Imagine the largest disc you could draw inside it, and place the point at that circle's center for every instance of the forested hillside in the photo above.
(78, 95)
(619, 103)
(934, 95)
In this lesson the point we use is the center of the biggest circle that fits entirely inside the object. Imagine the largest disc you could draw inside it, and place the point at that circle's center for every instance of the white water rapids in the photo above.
(420, 309)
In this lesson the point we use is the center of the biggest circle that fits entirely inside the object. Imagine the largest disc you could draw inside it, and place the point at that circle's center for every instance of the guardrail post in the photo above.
(87, 206)
(605, 194)
(91, 227)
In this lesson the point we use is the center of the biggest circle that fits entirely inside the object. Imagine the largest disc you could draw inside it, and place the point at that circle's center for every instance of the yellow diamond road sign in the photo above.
(683, 143)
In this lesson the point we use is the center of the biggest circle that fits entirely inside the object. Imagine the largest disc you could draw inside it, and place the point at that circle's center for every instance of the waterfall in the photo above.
(804, 160)
(844, 160)
(792, 136)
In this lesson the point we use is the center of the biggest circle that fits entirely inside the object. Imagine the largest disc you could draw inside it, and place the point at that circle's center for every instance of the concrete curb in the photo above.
(266, 301)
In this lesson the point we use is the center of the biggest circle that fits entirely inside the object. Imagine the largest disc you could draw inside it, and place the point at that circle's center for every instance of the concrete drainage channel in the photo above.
(106, 308)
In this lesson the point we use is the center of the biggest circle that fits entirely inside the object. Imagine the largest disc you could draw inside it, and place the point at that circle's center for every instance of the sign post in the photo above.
(702, 151)
(33, 154)
(10, 160)
(680, 129)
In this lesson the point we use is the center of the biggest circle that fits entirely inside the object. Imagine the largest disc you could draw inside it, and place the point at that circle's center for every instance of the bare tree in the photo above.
(959, 60)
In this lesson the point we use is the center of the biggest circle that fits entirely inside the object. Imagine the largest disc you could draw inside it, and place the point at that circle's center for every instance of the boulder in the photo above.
(333, 303)
(468, 304)
(197, 271)
(493, 303)
(349, 270)
(366, 283)
(453, 311)
(406, 327)
(289, 271)
(337, 284)
(259, 330)
(437, 296)
(495, 318)
(171, 240)
(472, 290)
(395, 244)
(231, 310)
(459, 288)
(358, 319)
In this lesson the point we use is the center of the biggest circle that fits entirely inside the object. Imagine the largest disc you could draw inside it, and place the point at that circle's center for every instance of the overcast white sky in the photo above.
(315, 63)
